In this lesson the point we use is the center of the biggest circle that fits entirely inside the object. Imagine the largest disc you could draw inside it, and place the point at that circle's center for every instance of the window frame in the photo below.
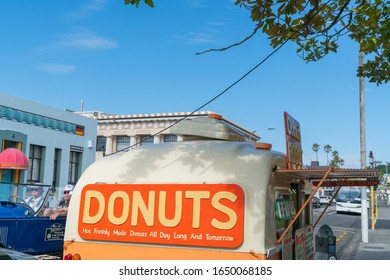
(35, 163)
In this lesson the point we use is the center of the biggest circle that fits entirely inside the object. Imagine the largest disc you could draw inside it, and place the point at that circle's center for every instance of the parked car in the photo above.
(8, 254)
(23, 228)
(324, 200)
(315, 201)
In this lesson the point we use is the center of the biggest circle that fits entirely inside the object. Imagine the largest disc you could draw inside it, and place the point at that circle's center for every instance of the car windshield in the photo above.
(32, 196)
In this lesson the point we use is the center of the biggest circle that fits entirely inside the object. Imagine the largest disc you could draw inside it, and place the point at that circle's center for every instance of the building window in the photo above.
(170, 138)
(146, 140)
(122, 142)
(35, 159)
(100, 143)
(74, 167)
(10, 144)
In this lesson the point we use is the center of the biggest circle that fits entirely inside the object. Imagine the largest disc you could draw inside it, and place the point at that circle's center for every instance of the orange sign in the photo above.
(293, 142)
(209, 215)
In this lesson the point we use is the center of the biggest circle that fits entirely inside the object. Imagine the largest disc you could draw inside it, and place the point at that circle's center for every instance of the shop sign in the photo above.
(304, 243)
(208, 215)
(300, 244)
(310, 242)
(284, 209)
(293, 142)
(287, 245)
(76, 148)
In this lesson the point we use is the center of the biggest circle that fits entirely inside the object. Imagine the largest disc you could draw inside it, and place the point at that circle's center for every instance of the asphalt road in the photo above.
(346, 228)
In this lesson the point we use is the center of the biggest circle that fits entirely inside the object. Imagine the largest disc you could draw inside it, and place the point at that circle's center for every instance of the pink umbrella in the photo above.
(12, 158)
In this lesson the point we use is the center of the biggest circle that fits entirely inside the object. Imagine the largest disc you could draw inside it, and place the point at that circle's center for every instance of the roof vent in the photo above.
(215, 116)
(263, 146)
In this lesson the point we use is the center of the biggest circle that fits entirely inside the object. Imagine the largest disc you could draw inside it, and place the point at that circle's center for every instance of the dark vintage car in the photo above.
(315, 201)
(8, 254)
(23, 227)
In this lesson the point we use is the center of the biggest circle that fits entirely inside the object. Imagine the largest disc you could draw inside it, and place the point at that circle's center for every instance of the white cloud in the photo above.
(87, 10)
(196, 38)
(86, 40)
(209, 34)
(216, 24)
(80, 40)
(56, 68)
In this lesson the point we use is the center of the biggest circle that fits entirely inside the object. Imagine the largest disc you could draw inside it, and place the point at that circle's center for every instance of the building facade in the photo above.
(59, 144)
(120, 132)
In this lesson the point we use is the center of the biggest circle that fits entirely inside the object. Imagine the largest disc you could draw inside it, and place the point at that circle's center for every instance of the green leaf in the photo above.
(136, 2)
(150, 3)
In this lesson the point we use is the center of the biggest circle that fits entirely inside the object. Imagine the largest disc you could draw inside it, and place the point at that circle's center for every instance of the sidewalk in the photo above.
(378, 245)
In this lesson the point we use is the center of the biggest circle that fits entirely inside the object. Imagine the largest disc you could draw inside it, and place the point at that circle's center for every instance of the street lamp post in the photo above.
(364, 216)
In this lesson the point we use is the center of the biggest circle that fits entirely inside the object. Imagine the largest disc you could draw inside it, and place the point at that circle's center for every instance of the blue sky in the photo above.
(124, 60)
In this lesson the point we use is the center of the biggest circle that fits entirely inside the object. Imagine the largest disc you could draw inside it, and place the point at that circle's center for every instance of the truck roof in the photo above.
(187, 161)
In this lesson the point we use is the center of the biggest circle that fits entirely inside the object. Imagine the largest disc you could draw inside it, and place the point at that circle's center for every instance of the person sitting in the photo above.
(62, 209)
(36, 199)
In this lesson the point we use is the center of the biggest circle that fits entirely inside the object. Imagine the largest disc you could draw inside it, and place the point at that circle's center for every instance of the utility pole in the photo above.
(364, 216)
